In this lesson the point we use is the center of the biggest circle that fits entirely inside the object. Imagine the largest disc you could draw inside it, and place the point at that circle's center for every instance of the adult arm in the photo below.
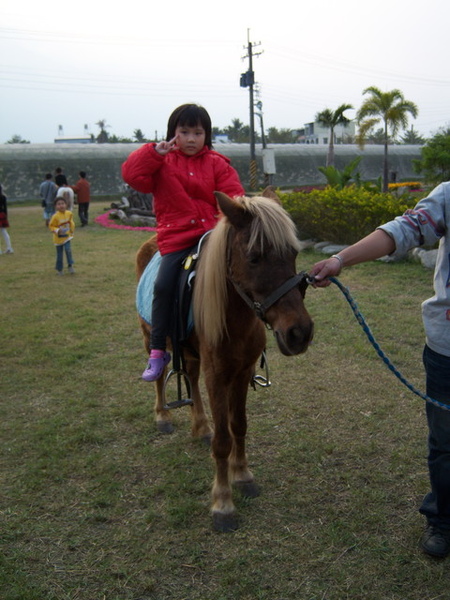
(375, 245)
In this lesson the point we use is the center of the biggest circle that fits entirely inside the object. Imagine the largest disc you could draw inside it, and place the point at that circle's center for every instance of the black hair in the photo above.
(48, 176)
(190, 115)
(83, 174)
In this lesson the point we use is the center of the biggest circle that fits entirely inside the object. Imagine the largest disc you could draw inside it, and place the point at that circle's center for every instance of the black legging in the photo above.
(164, 297)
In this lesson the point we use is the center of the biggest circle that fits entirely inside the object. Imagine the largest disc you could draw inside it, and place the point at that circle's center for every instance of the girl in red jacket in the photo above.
(182, 173)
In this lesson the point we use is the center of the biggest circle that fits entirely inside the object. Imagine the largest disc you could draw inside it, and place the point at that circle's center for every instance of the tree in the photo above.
(435, 161)
(376, 136)
(102, 137)
(17, 139)
(280, 136)
(237, 131)
(139, 136)
(331, 119)
(389, 108)
(412, 137)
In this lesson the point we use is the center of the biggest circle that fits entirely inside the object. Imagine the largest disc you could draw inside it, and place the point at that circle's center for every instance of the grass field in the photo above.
(96, 505)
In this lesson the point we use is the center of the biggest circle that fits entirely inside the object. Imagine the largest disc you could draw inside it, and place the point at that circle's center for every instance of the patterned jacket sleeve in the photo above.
(423, 225)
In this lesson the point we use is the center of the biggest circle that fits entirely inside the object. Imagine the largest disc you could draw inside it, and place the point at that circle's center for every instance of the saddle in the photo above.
(182, 322)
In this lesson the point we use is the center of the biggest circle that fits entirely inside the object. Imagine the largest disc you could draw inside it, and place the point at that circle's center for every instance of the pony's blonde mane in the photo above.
(271, 226)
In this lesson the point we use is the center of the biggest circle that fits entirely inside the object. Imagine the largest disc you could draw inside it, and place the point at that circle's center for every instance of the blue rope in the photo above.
(381, 354)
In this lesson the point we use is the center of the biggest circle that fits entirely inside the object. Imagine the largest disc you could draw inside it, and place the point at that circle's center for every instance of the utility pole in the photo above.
(248, 80)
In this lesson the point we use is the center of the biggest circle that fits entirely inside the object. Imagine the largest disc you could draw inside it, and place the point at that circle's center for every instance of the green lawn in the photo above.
(96, 505)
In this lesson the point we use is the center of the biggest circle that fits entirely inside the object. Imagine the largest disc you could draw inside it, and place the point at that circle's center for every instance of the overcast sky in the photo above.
(131, 64)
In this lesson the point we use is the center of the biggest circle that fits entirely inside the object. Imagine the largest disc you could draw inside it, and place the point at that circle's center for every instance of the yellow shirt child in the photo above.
(62, 224)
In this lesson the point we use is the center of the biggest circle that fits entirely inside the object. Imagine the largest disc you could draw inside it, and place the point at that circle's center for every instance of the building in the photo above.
(81, 139)
(314, 133)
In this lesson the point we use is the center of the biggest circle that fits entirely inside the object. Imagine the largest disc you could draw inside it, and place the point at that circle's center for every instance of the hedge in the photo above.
(343, 216)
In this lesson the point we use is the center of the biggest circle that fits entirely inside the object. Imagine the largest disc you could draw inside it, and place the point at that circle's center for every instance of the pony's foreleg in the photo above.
(240, 475)
(222, 508)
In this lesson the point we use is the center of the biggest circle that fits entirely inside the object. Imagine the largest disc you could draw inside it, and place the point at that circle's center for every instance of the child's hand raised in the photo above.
(166, 147)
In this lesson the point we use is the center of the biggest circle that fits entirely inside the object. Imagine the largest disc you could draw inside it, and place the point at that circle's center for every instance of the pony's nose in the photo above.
(295, 340)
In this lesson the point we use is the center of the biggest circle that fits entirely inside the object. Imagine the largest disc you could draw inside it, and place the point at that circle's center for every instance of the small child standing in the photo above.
(4, 223)
(62, 226)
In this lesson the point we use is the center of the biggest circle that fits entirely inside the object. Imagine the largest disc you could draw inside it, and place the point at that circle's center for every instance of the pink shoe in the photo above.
(155, 367)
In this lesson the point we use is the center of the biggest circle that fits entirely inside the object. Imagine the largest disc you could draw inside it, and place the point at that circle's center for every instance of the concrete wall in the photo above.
(23, 166)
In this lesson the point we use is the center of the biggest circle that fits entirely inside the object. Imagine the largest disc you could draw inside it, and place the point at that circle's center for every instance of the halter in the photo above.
(301, 279)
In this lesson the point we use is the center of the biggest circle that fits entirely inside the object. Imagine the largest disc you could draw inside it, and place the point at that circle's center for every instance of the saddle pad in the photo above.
(144, 291)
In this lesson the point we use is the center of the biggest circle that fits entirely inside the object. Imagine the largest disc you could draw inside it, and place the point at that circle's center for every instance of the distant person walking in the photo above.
(4, 224)
(62, 226)
(60, 178)
(47, 191)
(82, 189)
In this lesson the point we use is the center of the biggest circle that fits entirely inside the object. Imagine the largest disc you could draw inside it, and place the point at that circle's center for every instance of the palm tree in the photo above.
(139, 136)
(331, 119)
(389, 108)
(102, 137)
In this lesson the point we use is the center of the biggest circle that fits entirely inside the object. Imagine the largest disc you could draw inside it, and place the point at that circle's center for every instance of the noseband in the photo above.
(301, 279)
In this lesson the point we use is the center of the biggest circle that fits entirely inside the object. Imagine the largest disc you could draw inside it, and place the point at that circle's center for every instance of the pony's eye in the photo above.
(254, 258)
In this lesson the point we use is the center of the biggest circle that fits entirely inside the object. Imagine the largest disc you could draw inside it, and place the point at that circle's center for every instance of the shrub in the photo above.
(342, 216)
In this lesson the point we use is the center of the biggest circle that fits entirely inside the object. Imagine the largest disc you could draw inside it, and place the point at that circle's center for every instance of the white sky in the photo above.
(131, 64)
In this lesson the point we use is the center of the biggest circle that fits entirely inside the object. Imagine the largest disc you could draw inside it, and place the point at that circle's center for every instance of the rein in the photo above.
(381, 354)
(301, 279)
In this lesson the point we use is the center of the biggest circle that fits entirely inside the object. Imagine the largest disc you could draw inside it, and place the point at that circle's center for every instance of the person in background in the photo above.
(82, 189)
(47, 191)
(66, 192)
(62, 226)
(4, 223)
(426, 224)
(60, 178)
(182, 173)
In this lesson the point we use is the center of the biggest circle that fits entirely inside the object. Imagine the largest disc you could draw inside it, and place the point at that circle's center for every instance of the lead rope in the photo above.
(381, 354)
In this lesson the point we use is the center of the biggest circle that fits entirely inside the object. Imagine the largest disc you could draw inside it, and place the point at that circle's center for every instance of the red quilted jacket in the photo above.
(183, 191)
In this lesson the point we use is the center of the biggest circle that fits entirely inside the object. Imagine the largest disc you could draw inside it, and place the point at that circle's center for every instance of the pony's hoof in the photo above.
(225, 523)
(165, 427)
(248, 489)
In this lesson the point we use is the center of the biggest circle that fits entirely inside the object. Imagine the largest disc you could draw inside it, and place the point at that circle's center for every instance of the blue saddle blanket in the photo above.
(144, 292)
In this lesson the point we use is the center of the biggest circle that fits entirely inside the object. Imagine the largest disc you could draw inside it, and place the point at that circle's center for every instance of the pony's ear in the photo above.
(233, 210)
(269, 192)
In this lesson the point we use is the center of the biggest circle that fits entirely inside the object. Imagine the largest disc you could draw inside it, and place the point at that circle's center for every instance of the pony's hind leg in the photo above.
(200, 426)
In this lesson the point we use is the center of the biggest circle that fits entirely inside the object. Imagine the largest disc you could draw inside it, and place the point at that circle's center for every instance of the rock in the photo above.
(305, 244)
(428, 258)
(332, 248)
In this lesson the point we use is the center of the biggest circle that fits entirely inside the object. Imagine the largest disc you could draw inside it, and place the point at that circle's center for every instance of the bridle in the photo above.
(301, 279)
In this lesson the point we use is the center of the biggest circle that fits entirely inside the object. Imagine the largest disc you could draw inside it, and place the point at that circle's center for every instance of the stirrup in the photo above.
(180, 373)
(261, 380)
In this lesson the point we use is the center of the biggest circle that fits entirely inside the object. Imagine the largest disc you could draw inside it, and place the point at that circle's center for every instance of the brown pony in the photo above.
(247, 257)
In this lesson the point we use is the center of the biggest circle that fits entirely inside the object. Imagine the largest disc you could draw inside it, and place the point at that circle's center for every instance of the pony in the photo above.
(245, 281)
